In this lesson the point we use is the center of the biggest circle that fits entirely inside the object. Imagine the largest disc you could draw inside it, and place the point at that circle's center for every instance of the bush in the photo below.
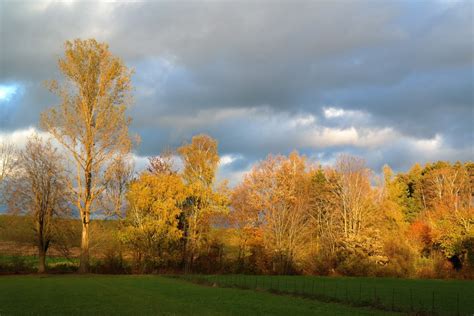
(17, 265)
(322, 262)
(401, 262)
(63, 267)
(112, 263)
(359, 255)
(356, 266)
(434, 267)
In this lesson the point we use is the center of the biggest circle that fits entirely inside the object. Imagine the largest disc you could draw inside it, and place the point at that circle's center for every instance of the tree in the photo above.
(201, 159)
(151, 224)
(353, 189)
(279, 191)
(90, 122)
(246, 223)
(324, 204)
(38, 190)
(392, 200)
(116, 180)
(162, 164)
(450, 213)
(8, 155)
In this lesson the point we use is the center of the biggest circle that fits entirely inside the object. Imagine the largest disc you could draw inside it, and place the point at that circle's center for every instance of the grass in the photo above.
(29, 264)
(443, 297)
(147, 295)
(32, 261)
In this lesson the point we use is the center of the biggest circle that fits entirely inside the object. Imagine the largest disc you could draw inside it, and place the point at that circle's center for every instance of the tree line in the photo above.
(288, 215)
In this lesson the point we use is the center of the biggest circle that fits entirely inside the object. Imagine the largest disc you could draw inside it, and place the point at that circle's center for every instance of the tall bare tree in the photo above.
(38, 190)
(90, 122)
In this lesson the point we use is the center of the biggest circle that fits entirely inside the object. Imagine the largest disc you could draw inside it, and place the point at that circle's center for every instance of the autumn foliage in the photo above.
(288, 215)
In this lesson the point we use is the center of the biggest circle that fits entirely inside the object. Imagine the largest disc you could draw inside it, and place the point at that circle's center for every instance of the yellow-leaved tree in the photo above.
(201, 160)
(90, 122)
(152, 219)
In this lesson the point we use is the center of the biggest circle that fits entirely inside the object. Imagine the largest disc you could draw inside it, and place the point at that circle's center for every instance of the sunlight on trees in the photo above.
(288, 215)
(90, 122)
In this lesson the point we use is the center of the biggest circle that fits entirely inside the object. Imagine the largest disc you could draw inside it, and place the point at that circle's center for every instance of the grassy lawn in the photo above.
(444, 297)
(146, 295)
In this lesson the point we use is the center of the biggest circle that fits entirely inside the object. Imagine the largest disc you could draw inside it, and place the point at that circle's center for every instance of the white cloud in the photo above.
(321, 137)
(20, 137)
(302, 120)
(428, 145)
(228, 159)
(334, 112)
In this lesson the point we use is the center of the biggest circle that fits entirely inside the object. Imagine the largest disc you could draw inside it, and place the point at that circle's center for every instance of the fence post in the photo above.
(312, 288)
(411, 300)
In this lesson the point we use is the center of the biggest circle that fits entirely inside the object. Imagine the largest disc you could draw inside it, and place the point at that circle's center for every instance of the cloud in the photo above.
(20, 137)
(384, 80)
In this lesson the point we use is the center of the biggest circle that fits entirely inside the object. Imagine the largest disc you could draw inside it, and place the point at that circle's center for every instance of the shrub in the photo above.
(63, 267)
(401, 262)
(16, 264)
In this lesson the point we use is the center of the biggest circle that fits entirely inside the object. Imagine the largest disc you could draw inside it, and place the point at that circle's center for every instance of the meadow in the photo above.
(231, 295)
(436, 297)
(149, 295)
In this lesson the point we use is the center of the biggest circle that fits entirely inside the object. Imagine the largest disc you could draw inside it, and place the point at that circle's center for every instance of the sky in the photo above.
(390, 81)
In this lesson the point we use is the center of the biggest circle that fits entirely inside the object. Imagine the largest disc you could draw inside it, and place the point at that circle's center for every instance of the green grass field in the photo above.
(440, 297)
(149, 295)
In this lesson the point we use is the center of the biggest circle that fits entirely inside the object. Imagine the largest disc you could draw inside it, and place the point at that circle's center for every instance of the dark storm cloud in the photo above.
(260, 76)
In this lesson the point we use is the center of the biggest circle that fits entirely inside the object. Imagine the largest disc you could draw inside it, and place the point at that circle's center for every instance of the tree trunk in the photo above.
(42, 260)
(84, 260)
